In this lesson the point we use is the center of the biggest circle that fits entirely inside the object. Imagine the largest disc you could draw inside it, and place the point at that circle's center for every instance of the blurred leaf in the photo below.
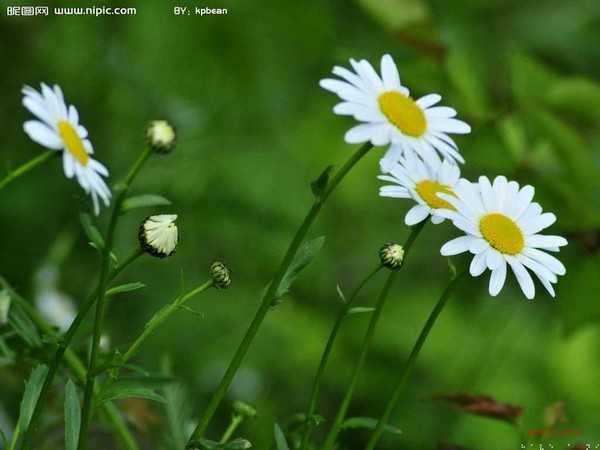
(238, 444)
(33, 387)
(320, 184)
(202, 444)
(368, 423)
(144, 201)
(340, 293)
(22, 324)
(360, 310)
(483, 405)
(92, 233)
(127, 287)
(513, 136)
(530, 80)
(578, 305)
(463, 71)
(280, 442)
(303, 258)
(132, 387)
(555, 414)
(576, 97)
(177, 413)
(72, 416)
(396, 14)
(4, 307)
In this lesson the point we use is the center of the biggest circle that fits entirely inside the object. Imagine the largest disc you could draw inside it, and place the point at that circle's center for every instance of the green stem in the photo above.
(63, 345)
(29, 165)
(391, 404)
(75, 365)
(161, 317)
(341, 414)
(316, 387)
(267, 298)
(88, 394)
(236, 420)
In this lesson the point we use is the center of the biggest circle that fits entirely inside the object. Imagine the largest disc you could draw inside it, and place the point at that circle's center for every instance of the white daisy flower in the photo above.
(158, 235)
(58, 128)
(420, 181)
(390, 115)
(502, 224)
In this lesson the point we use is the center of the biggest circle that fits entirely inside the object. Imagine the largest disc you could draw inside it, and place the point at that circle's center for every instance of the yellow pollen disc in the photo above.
(502, 233)
(428, 190)
(73, 142)
(403, 112)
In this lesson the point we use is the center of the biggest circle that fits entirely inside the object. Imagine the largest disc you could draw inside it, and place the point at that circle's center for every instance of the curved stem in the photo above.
(236, 420)
(75, 365)
(161, 316)
(391, 404)
(29, 165)
(100, 304)
(316, 387)
(343, 409)
(267, 298)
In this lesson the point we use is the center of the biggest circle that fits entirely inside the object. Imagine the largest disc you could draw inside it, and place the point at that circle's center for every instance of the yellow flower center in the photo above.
(502, 233)
(73, 142)
(403, 112)
(428, 190)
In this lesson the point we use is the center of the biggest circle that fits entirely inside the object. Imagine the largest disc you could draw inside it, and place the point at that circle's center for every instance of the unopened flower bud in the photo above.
(158, 235)
(244, 409)
(391, 256)
(161, 136)
(220, 275)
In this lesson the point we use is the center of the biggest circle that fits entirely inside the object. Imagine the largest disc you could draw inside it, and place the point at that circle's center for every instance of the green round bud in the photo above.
(220, 275)
(244, 409)
(161, 136)
(391, 256)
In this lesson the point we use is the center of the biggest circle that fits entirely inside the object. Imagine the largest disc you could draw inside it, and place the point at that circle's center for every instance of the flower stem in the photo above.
(391, 404)
(100, 303)
(161, 316)
(316, 387)
(76, 366)
(267, 298)
(343, 409)
(29, 165)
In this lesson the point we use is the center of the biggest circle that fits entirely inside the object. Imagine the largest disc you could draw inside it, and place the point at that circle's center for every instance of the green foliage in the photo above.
(127, 287)
(144, 201)
(280, 441)
(138, 387)
(72, 416)
(368, 423)
(33, 386)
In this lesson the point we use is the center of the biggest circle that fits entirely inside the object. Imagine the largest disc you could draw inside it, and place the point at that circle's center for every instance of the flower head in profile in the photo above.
(502, 225)
(390, 115)
(421, 181)
(58, 128)
(161, 136)
(158, 235)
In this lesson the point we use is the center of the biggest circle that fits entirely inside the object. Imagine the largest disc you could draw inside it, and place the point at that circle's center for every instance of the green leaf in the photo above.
(4, 307)
(72, 416)
(303, 258)
(92, 233)
(127, 388)
(33, 388)
(22, 324)
(238, 444)
(280, 442)
(396, 14)
(177, 413)
(570, 94)
(466, 75)
(368, 423)
(360, 310)
(320, 184)
(202, 444)
(127, 287)
(144, 201)
(340, 293)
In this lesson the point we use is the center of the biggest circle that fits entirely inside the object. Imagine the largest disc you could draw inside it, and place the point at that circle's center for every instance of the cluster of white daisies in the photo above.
(500, 220)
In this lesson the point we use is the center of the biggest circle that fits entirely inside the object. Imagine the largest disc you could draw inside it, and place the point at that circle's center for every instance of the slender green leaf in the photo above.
(360, 310)
(92, 233)
(238, 444)
(139, 387)
(144, 201)
(303, 258)
(33, 388)
(4, 307)
(368, 423)
(72, 416)
(320, 184)
(280, 442)
(22, 324)
(128, 287)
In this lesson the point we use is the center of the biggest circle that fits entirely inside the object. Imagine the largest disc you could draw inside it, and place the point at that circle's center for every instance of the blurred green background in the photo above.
(253, 129)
